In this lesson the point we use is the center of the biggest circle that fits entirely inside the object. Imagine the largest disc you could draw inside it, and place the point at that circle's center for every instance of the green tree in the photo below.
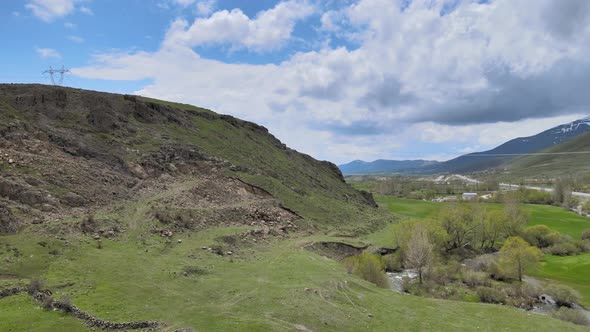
(458, 221)
(517, 254)
(490, 228)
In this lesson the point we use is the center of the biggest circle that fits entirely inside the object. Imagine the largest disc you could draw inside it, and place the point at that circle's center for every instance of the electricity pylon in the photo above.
(61, 73)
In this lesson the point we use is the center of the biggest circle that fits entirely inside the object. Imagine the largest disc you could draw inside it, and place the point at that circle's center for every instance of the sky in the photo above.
(340, 80)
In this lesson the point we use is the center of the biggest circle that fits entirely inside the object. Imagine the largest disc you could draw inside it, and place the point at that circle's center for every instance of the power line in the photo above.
(61, 73)
(524, 154)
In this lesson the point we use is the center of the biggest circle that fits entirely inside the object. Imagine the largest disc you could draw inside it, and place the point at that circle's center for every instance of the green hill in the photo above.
(559, 164)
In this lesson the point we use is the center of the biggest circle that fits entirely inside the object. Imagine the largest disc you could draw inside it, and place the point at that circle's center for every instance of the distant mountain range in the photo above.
(478, 161)
(383, 166)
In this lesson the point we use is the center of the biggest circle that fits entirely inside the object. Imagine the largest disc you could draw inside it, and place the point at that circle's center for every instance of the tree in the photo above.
(517, 217)
(419, 252)
(459, 223)
(561, 192)
(491, 228)
(517, 253)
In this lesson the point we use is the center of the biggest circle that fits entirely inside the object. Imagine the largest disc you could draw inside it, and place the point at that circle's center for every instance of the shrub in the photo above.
(540, 236)
(583, 246)
(473, 279)
(497, 272)
(586, 233)
(445, 274)
(482, 262)
(490, 295)
(564, 249)
(393, 262)
(48, 302)
(571, 315)
(369, 267)
(65, 303)
(563, 295)
(523, 296)
(36, 285)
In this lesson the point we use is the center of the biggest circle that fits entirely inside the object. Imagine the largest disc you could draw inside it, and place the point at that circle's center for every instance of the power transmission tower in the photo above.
(61, 73)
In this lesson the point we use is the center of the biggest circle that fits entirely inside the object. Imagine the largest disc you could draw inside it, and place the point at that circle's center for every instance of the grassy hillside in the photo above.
(109, 143)
(555, 165)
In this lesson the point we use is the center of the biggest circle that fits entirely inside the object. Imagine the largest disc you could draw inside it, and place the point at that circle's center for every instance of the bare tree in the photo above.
(419, 252)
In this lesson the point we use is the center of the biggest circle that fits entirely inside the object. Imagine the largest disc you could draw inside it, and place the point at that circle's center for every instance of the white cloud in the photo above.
(76, 39)
(269, 30)
(49, 10)
(47, 53)
(70, 25)
(413, 75)
(206, 7)
(184, 3)
(86, 10)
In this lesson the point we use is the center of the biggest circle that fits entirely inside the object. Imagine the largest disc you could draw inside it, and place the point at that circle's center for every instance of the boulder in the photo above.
(74, 200)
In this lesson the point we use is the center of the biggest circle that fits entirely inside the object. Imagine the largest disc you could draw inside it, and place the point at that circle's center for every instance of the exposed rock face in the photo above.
(8, 223)
(74, 200)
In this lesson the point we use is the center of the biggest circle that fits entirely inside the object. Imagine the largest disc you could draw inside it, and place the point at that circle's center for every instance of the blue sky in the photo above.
(340, 80)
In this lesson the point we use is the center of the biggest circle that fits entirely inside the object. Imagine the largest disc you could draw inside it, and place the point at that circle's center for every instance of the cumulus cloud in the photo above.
(425, 70)
(270, 29)
(49, 10)
(47, 53)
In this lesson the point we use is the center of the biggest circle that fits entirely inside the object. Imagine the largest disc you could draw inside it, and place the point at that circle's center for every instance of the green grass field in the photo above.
(261, 291)
(274, 286)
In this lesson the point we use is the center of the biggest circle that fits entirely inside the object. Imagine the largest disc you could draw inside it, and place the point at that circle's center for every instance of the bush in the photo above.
(473, 279)
(444, 274)
(586, 233)
(48, 302)
(490, 295)
(571, 315)
(541, 236)
(563, 295)
(522, 295)
(564, 249)
(584, 246)
(65, 303)
(36, 285)
(393, 262)
(482, 262)
(497, 272)
(369, 267)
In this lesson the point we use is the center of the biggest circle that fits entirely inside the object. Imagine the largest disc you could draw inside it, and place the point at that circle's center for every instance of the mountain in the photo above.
(478, 161)
(555, 161)
(383, 166)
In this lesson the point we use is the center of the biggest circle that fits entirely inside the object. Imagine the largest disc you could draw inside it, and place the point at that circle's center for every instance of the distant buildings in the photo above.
(469, 196)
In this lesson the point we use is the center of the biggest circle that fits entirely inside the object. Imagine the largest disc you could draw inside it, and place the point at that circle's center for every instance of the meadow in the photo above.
(276, 285)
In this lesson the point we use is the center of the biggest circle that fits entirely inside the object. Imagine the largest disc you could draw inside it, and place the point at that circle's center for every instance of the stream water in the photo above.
(396, 278)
